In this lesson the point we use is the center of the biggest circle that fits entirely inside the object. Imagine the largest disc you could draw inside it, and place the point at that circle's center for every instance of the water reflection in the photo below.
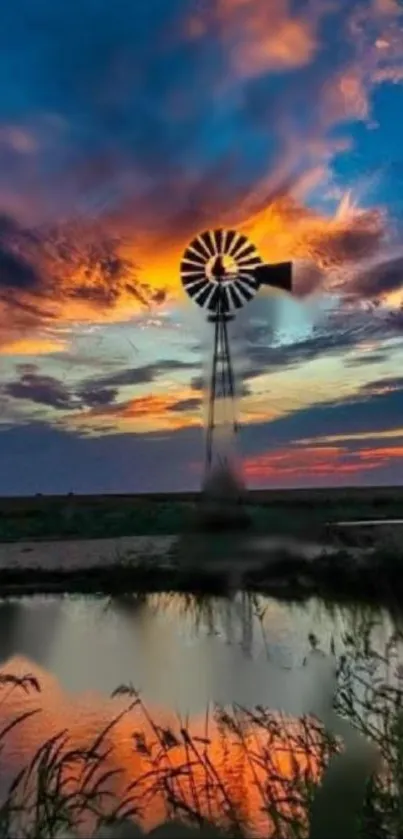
(205, 768)
(181, 651)
(26, 629)
(185, 653)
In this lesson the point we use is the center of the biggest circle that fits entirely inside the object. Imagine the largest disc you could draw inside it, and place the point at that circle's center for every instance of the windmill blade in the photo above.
(219, 239)
(201, 297)
(195, 251)
(244, 251)
(202, 242)
(249, 262)
(248, 279)
(213, 242)
(235, 297)
(225, 300)
(196, 288)
(188, 266)
(213, 302)
(190, 282)
(277, 276)
(244, 290)
(233, 242)
(207, 242)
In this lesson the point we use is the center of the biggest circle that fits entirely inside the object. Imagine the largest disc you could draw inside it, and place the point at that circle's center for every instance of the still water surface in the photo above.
(181, 653)
(178, 651)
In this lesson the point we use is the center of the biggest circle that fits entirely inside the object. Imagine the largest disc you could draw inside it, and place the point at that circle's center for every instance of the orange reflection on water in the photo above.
(216, 765)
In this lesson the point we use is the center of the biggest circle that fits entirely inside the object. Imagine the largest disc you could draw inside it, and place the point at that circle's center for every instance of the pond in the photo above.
(184, 654)
(180, 651)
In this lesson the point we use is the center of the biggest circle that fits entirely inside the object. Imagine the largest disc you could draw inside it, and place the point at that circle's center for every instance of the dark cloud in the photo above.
(380, 385)
(42, 390)
(306, 278)
(26, 368)
(385, 277)
(185, 405)
(97, 397)
(268, 359)
(144, 374)
(98, 392)
(366, 358)
(50, 391)
(242, 388)
(350, 244)
(339, 334)
(16, 273)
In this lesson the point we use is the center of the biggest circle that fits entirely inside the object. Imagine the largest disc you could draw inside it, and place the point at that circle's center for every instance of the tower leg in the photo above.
(211, 405)
(222, 484)
(229, 387)
(221, 393)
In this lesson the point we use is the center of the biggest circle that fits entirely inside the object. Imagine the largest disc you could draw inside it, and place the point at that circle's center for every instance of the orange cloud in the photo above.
(33, 346)
(382, 454)
(150, 412)
(316, 461)
(258, 35)
(286, 229)
(346, 96)
(376, 32)
(74, 272)
(287, 44)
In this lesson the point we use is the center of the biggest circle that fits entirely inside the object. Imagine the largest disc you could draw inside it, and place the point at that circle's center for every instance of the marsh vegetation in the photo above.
(247, 771)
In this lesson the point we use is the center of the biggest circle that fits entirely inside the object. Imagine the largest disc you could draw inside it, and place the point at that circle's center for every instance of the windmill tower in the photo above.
(222, 271)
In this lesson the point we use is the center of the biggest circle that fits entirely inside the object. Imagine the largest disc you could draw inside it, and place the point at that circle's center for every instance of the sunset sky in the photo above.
(126, 128)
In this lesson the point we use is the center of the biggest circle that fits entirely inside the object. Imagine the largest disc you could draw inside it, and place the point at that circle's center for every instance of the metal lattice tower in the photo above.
(222, 271)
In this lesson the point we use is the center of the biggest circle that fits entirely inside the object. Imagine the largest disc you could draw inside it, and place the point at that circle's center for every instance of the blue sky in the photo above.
(125, 129)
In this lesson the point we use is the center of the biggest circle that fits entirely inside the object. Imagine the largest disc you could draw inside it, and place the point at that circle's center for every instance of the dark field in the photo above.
(271, 511)
(353, 563)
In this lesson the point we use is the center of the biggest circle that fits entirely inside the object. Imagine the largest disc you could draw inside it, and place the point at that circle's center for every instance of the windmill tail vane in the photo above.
(222, 271)
(277, 276)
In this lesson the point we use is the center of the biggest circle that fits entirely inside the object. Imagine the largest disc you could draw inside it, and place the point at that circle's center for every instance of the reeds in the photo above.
(66, 789)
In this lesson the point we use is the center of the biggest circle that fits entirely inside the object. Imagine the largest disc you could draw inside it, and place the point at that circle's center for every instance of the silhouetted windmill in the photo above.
(222, 271)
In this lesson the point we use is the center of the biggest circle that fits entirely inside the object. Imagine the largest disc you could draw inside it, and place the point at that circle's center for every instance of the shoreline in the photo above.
(340, 575)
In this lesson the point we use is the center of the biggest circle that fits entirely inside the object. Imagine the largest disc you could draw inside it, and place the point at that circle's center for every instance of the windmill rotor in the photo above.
(218, 270)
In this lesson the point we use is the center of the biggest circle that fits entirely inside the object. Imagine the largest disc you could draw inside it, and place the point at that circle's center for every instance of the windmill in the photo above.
(221, 271)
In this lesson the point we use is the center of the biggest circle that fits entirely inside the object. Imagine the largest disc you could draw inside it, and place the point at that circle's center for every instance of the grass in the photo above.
(65, 788)
(56, 517)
